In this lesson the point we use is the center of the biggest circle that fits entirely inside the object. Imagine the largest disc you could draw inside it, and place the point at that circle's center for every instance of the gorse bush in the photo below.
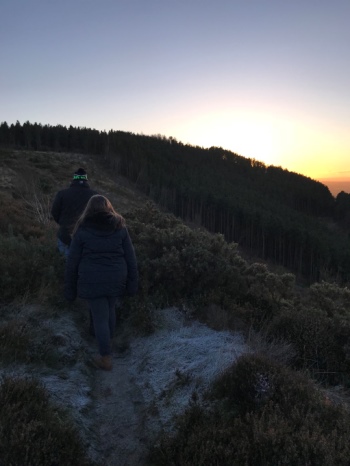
(32, 431)
(177, 262)
(319, 330)
(268, 292)
(320, 342)
(261, 414)
(333, 300)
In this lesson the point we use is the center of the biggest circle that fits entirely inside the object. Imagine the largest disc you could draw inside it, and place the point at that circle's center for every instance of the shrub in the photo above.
(319, 330)
(140, 315)
(32, 431)
(268, 292)
(28, 267)
(331, 298)
(254, 380)
(261, 414)
(12, 213)
(14, 340)
(24, 340)
(177, 262)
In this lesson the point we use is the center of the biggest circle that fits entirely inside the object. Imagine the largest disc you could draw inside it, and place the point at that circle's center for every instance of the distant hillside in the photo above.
(276, 215)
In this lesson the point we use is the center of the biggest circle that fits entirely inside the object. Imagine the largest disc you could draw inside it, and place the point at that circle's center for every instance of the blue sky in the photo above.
(266, 79)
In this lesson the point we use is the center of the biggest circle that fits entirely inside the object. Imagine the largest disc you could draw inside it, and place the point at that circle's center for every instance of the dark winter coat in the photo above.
(101, 260)
(67, 207)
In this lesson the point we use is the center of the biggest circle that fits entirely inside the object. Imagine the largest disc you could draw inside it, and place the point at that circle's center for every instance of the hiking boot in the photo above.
(103, 362)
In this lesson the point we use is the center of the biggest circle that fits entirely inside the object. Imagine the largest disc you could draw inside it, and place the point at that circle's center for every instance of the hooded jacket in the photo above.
(67, 207)
(101, 260)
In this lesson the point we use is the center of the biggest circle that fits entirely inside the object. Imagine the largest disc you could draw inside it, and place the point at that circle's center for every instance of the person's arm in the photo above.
(72, 266)
(130, 258)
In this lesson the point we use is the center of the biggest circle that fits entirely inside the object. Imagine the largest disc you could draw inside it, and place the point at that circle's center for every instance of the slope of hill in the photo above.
(115, 419)
(200, 306)
(272, 213)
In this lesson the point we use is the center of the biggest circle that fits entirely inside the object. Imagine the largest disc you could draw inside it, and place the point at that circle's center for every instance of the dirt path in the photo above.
(153, 380)
(119, 412)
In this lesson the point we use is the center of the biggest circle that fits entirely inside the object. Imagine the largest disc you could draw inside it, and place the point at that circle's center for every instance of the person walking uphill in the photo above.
(101, 267)
(68, 205)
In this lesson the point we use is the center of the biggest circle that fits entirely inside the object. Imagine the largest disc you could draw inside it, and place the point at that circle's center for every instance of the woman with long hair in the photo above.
(101, 268)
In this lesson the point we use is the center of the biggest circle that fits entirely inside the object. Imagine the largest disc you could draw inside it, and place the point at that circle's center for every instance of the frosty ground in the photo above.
(155, 380)
(121, 413)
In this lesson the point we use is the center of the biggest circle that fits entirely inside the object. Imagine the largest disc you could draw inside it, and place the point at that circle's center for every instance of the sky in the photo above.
(266, 79)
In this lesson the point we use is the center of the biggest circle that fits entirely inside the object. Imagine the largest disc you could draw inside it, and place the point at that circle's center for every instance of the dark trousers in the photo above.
(104, 320)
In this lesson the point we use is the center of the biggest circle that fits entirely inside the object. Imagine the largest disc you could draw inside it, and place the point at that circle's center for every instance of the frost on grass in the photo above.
(180, 359)
(67, 381)
(128, 407)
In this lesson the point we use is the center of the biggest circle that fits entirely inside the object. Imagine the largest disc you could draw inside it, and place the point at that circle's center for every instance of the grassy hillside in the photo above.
(300, 338)
(276, 215)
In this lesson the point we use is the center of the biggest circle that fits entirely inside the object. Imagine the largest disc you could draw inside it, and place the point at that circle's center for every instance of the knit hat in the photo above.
(80, 175)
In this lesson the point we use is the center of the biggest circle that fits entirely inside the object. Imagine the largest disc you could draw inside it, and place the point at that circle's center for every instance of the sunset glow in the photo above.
(267, 80)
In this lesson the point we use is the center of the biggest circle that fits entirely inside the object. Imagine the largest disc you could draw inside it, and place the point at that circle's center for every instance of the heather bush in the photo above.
(255, 380)
(30, 267)
(260, 413)
(33, 432)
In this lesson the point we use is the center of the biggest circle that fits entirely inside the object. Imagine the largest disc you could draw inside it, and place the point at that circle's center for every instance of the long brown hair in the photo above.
(98, 204)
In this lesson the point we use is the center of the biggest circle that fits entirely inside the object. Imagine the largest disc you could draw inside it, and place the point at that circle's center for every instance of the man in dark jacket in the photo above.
(67, 207)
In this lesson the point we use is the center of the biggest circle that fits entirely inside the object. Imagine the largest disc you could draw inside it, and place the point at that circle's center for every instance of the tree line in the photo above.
(274, 214)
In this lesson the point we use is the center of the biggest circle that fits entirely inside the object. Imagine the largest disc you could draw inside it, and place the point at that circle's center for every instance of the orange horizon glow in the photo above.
(337, 186)
(290, 142)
